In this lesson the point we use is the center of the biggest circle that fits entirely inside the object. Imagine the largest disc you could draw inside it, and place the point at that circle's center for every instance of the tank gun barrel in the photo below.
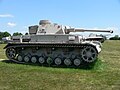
(67, 31)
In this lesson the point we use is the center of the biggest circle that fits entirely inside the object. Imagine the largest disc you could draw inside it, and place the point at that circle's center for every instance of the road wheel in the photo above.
(41, 60)
(58, 61)
(34, 59)
(19, 58)
(77, 62)
(67, 62)
(26, 58)
(49, 60)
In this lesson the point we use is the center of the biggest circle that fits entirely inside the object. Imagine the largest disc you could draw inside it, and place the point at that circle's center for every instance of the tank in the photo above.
(95, 37)
(52, 44)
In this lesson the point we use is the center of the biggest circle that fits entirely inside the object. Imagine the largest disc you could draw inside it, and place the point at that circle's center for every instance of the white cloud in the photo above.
(6, 16)
(10, 24)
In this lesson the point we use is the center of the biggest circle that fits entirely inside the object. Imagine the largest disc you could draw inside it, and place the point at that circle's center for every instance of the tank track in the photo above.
(57, 54)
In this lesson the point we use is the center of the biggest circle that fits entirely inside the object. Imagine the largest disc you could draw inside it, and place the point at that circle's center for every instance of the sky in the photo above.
(17, 15)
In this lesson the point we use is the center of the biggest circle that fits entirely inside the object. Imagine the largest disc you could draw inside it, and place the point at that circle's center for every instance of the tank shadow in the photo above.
(7, 61)
(84, 65)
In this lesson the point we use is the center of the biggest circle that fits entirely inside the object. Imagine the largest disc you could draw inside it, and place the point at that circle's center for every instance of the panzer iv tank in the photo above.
(52, 44)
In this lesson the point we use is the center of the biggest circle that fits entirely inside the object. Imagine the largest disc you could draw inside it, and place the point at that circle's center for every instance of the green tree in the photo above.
(17, 34)
(4, 34)
(116, 37)
(1, 35)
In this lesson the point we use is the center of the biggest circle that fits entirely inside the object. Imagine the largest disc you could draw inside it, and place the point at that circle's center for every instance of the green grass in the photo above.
(104, 76)
(2, 52)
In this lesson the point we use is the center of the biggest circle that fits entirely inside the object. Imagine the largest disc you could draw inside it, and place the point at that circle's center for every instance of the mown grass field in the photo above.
(104, 76)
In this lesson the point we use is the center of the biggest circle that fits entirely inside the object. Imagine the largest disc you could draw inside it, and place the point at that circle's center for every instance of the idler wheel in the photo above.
(89, 54)
(26, 59)
(34, 59)
(77, 62)
(11, 53)
(67, 62)
(58, 61)
(19, 58)
(41, 60)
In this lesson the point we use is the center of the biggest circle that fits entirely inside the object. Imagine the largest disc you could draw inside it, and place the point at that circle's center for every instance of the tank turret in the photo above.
(52, 44)
(46, 27)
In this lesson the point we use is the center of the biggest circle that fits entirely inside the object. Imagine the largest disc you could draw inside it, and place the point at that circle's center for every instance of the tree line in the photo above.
(116, 37)
(7, 34)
